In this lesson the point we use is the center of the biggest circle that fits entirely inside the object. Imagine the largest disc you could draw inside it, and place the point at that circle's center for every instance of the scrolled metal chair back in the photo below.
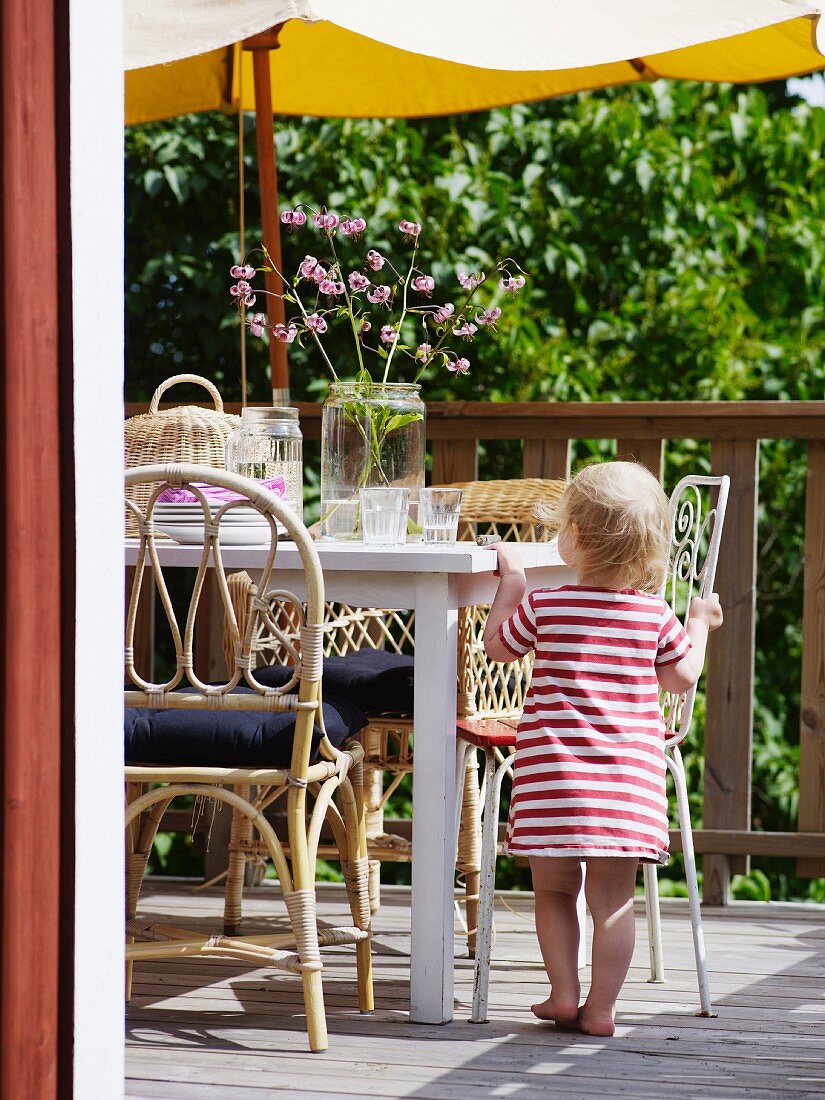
(260, 602)
(696, 524)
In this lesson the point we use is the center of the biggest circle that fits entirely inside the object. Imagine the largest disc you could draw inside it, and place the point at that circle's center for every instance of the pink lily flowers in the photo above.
(380, 296)
(424, 284)
(391, 321)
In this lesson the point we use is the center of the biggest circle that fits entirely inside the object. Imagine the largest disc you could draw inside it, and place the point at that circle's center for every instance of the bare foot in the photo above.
(596, 1021)
(564, 1012)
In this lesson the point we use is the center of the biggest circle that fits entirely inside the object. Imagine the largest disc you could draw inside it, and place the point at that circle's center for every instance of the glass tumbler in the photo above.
(439, 511)
(384, 516)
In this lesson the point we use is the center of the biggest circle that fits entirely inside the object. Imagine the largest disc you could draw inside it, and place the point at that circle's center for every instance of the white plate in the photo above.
(226, 521)
(191, 534)
(196, 510)
(194, 505)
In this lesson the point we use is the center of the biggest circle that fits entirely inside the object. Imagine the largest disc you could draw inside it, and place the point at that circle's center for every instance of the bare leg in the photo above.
(609, 886)
(557, 882)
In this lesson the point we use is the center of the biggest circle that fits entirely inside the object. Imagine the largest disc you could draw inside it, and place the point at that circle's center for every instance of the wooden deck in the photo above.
(216, 1031)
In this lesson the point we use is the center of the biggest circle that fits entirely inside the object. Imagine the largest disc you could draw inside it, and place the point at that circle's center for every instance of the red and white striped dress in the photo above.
(590, 767)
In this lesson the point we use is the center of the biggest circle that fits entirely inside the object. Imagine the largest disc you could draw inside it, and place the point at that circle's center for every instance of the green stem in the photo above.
(350, 311)
(304, 314)
(447, 328)
(403, 313)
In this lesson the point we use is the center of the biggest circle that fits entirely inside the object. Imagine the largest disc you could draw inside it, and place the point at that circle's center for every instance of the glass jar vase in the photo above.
(269, 444)
(372, 434)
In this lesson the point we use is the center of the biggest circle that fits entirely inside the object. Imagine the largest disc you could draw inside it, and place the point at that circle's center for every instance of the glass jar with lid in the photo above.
(269, 444)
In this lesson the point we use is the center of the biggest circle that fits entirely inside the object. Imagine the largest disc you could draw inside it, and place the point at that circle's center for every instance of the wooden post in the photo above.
(812, 727)
(36, 580)
(650, 452)
(261, 46)
(548, 458)
(729, 725)
(454, 460)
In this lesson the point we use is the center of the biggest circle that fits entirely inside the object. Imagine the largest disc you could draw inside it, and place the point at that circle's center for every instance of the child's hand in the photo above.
(708, 611)
(509, 561)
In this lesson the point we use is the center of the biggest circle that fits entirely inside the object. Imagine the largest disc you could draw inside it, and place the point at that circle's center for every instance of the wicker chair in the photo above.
(485, 690)
(696, 532)
(289, 752)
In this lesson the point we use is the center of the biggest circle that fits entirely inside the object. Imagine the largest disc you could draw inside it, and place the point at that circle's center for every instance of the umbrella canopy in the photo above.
(394, 59)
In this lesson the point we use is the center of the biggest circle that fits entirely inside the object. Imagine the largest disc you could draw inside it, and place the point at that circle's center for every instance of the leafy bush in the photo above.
(673, 235)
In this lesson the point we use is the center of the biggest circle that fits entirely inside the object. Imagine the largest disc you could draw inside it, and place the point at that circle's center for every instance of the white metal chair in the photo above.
(696, 533)
(246, 744)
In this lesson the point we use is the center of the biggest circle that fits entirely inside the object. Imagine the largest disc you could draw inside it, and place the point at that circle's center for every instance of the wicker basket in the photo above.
(183, 434)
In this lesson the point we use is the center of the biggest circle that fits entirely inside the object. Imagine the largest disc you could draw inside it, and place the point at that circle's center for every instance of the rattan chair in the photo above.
(184, 738)
(696, 532)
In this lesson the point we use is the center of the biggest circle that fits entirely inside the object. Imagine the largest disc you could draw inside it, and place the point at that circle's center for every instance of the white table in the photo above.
(435, 581)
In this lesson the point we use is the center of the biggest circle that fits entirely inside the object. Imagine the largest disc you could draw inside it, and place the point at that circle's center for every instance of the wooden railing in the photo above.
(734, 429)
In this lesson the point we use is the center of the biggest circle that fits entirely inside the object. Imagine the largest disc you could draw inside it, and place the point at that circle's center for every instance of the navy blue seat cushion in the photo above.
(376, 681)
(225, 739)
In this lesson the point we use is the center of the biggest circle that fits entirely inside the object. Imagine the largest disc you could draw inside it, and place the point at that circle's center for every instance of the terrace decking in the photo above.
(217, 1031)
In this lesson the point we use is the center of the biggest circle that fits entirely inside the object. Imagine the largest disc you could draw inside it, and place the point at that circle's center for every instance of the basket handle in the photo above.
(164, 386)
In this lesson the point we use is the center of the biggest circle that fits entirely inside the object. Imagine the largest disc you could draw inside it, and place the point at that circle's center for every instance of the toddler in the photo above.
(589, 768)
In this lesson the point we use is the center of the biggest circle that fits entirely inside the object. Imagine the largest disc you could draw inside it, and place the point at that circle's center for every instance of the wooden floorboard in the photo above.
(213, 1030)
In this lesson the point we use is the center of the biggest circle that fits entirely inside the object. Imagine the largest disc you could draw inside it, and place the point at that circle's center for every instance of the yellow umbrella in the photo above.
(331, 68)
(326, 70)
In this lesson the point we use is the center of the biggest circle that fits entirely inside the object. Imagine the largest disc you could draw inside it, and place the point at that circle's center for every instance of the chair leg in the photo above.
(374, 811)
(136, 861)
(468, 856)
(316, 1015)
(581, 915)
(487, 891)
(240, 839)
(363, 966)
(654, 924)
(677, 768)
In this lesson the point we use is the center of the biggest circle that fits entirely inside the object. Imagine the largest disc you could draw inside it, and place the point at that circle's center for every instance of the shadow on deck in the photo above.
(216, 1031)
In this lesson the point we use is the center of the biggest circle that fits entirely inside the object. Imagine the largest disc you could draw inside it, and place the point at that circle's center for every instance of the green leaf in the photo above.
(400, 420)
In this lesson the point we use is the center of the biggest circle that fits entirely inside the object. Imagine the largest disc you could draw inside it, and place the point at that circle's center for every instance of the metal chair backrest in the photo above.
(696, 525)
(184, 689)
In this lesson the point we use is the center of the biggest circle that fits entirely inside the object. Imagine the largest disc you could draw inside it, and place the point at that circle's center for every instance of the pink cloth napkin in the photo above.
(215, 492)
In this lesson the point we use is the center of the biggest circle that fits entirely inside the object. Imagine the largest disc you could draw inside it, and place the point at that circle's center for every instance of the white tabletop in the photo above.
(460, 558)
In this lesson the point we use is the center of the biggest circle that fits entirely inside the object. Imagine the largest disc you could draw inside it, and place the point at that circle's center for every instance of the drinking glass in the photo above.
(384, 516)
(439, 513)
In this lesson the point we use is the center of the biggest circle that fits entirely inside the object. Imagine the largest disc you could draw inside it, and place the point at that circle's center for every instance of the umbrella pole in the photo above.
(261, 46)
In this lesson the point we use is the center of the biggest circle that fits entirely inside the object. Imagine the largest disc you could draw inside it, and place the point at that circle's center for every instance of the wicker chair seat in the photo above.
(376, 681)
(241, 739)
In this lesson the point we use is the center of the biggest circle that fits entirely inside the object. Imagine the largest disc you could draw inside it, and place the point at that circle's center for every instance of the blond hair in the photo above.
(623, 527)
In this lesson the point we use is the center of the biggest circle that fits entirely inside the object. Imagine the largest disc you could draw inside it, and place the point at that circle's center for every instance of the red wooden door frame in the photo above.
(36, 558)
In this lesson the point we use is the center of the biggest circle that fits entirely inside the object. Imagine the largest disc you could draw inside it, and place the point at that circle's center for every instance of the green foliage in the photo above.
(672, 235)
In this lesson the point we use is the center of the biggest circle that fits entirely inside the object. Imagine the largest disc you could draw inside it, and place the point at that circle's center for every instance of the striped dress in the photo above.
(590, 768)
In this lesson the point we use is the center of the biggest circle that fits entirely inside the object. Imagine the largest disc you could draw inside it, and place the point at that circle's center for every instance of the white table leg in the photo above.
(433, 822)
